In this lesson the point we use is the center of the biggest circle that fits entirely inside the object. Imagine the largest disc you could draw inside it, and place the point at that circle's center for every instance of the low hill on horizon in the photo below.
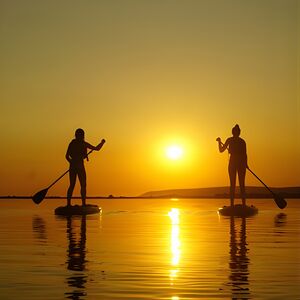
(223, 192)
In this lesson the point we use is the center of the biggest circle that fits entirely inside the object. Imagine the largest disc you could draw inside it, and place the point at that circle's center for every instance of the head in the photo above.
(79, 134)
(236, 131)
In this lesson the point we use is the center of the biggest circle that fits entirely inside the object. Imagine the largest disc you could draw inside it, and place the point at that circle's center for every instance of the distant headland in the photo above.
(223, 192)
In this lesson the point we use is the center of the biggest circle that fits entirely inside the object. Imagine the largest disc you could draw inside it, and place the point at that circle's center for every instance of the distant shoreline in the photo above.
(252, 192)
(157, 197)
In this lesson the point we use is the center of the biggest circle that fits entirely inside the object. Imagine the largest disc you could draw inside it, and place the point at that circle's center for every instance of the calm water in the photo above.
(149, 249)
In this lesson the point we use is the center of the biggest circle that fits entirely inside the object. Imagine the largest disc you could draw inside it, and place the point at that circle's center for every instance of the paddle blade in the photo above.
(39, 196)
(281, 203)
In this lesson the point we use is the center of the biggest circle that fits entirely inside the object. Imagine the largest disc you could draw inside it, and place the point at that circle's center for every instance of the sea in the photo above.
(173, 249)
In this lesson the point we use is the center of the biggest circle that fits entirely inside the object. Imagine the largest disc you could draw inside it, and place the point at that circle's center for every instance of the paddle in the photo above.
(39, 196)
(279, 200)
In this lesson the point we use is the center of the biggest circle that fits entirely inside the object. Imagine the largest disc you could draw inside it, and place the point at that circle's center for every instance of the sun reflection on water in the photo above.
(174, 215)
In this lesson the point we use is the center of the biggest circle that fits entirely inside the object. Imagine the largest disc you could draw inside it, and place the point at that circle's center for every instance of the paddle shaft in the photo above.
(261, 181)
(281, 203)
(256, 176)
(61, 176)
(39, 196)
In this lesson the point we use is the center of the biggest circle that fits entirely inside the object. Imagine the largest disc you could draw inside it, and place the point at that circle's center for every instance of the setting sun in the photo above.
(174, 152)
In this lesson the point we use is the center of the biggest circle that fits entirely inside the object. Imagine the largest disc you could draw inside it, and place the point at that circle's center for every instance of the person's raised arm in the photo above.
(98, 147)
(222, 147)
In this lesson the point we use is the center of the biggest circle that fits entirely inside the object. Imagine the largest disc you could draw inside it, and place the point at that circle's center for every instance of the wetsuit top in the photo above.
(77, 150)
(237, 150)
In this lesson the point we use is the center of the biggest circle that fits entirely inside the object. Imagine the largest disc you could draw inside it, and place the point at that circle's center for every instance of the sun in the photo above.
(174, 152)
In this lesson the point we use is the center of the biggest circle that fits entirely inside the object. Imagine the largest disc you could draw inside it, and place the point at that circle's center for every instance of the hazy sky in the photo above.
(145, 74)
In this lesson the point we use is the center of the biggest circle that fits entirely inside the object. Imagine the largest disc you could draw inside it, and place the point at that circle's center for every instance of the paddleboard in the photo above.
(238, 210)
(77, 210)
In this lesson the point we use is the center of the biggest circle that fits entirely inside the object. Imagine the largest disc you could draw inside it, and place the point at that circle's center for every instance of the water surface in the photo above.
(149, 249)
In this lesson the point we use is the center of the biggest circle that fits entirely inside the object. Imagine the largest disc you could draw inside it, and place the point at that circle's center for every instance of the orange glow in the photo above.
(172, 87)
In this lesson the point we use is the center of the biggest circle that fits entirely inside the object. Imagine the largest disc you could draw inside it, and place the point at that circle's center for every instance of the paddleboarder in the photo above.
(76, 153)
(237, 163)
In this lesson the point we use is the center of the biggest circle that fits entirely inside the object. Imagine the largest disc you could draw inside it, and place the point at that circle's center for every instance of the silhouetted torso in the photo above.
(237, 150)
(77, 150)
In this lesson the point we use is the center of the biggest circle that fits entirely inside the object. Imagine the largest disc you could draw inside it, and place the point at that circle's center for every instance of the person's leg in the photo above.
(72, 176)
(82, 179)
(232, 177)
(242, 175)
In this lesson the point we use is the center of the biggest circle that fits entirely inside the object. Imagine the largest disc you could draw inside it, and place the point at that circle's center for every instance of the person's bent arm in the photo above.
(98, 147)
(222, 147)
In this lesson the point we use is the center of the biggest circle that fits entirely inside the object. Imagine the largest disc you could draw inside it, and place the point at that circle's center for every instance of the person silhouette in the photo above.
(237, 163)
(76, 153)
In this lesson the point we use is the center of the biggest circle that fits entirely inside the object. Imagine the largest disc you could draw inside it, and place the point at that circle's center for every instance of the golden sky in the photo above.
(145, 74)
